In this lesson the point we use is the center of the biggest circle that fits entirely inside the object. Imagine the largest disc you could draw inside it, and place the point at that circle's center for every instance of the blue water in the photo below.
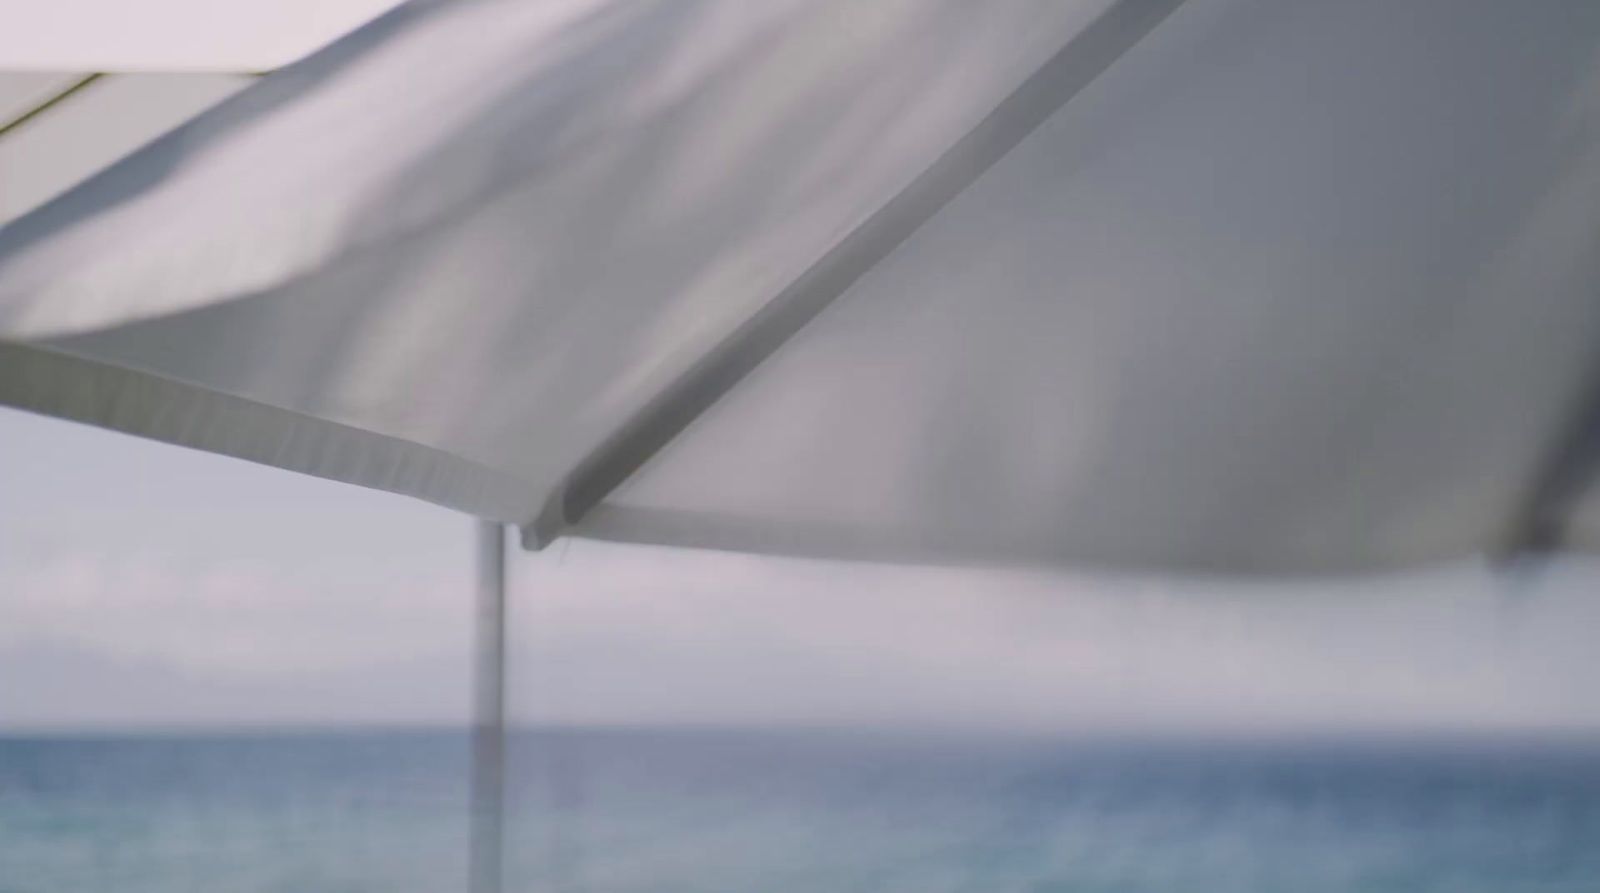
(644, 810)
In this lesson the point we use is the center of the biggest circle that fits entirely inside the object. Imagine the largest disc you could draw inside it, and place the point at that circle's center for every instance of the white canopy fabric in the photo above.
(1240, 286)
(172, 35)
(58, 128)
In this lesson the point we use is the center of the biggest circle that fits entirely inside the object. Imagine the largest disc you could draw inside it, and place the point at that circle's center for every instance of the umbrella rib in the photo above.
(1068, 71)
(1539, 524)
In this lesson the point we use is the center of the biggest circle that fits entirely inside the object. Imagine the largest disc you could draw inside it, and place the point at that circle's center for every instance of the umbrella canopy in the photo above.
(172, 35)
(56, 128)
(1241, 285)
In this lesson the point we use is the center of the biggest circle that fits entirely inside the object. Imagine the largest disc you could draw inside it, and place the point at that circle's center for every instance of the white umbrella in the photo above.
(1291, 287)
(1241, 286)
(172, 35)
(56, 128)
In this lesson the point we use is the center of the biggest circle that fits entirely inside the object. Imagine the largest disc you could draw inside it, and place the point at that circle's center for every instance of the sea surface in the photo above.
(654, 810)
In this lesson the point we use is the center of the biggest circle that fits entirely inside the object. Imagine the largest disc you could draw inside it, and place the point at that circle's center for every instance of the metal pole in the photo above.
(487, 829)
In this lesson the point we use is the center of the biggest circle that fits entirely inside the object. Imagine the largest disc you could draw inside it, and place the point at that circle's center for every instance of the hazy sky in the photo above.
(145, 583)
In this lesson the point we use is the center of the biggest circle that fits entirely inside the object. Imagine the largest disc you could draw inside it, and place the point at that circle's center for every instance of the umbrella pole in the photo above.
(487, 828)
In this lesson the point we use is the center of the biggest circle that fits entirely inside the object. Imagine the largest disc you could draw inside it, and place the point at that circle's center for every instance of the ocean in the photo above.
(743, 810)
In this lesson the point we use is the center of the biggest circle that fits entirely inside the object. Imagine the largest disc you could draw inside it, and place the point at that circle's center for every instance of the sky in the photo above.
(144, 585)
